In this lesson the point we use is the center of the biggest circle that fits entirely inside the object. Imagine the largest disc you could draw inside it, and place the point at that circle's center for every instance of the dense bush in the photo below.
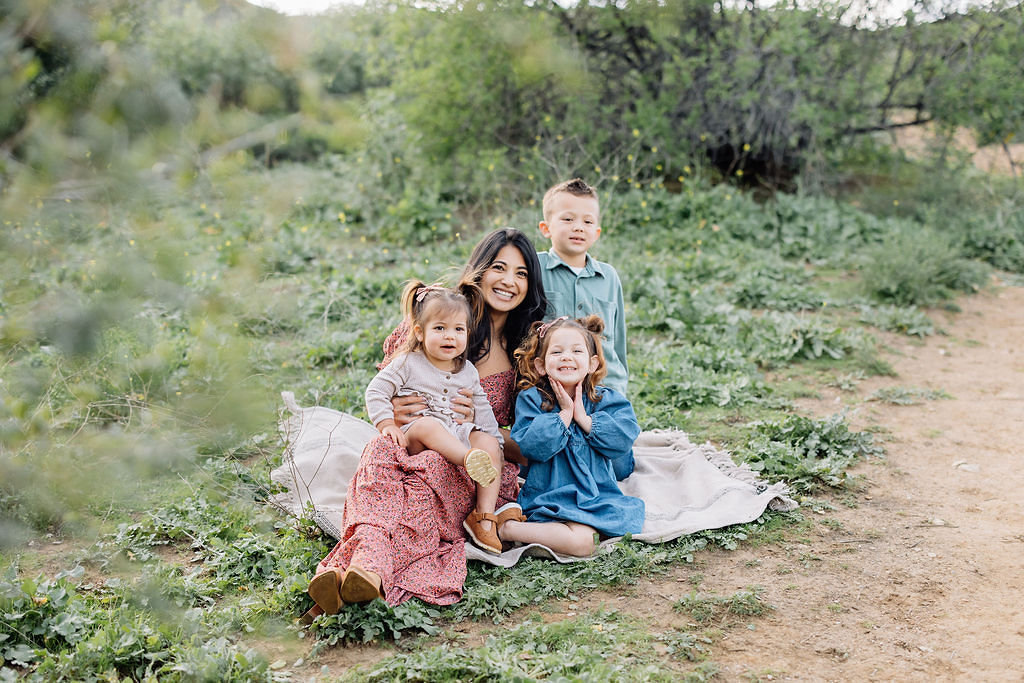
(917, 266)
(226, 57)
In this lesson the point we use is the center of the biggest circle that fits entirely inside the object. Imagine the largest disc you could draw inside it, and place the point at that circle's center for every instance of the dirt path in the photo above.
(924, 579)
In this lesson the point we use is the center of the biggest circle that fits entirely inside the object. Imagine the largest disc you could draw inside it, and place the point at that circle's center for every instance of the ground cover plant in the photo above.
(603, 645)
(192, 225)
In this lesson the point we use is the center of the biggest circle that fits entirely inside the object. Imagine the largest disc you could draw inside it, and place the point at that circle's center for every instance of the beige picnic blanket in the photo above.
(686, 487)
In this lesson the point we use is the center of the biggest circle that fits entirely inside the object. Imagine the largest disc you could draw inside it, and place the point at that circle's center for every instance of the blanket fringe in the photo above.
(290, 403)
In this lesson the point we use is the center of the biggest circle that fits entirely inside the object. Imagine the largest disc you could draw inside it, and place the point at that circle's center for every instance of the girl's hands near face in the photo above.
(565, 402)
(579, 412)
(462, 405)
(407, 408)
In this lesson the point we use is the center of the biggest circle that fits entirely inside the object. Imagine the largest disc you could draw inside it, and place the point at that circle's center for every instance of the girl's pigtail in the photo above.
(409, 298)
(524, 356)
(480, 325)
(477, 306)
(593, 324)
(409, 308)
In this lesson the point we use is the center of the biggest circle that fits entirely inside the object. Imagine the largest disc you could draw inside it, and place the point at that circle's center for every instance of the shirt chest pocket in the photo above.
(603, 307)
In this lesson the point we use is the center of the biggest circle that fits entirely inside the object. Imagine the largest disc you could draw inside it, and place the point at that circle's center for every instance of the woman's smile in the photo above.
(503, 293)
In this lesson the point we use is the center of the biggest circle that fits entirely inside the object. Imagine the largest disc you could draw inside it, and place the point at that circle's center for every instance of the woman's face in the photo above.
(505, 282)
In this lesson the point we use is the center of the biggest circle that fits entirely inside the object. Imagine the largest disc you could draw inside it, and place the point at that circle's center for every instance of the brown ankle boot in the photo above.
(485, 539)
(360, 585)
(325, 590)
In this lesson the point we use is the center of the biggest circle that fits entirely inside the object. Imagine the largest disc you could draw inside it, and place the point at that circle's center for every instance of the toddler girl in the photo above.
(571, 430)
(432, 364)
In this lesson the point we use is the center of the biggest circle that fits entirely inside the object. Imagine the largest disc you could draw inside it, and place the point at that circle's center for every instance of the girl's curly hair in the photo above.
(421, 301)
(536, 346)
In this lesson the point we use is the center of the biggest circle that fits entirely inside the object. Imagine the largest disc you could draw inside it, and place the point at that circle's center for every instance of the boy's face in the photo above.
(573, 225)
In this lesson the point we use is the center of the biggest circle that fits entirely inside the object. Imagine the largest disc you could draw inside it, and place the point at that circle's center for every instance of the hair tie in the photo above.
(422, 292)
(546, 326)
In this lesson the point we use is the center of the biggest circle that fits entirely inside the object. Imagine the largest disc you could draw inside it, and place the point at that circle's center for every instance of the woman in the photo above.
(402, 531)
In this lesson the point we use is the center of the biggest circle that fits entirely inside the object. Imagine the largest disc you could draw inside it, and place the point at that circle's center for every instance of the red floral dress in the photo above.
(403, 514)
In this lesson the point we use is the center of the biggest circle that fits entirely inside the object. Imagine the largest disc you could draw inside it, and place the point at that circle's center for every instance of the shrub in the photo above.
(915, 265)
(805, 452)
(225, 56)
(908, 320)
(997, 237)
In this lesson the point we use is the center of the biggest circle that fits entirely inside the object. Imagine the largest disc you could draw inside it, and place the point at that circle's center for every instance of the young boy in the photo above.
(575, 283)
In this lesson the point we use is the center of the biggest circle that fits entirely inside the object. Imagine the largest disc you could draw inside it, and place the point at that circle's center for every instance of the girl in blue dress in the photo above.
(571, 430)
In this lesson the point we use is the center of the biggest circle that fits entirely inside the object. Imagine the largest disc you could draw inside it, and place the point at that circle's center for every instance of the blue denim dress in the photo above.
(571, 476)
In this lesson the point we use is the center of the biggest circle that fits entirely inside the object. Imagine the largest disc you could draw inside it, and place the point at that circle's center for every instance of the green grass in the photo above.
(705, 608)
(603, 645)
(908, 396)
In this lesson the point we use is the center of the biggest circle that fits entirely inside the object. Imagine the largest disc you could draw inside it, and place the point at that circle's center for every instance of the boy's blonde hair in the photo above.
(420, 301)
(576, 187)
(536, 346)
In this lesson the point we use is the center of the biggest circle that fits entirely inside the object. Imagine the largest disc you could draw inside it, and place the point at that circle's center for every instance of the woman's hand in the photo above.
(579, 412)
(511, 449)
(407, 408)
(462, 405)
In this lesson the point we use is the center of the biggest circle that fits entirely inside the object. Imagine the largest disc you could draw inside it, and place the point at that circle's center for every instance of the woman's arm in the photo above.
(511, 449)
(407, 408)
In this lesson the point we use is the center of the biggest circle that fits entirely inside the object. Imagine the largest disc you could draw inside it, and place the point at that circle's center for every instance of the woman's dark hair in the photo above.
(522, 316)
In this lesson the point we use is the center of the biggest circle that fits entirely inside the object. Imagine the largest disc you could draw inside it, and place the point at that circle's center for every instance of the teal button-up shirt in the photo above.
(596, 290)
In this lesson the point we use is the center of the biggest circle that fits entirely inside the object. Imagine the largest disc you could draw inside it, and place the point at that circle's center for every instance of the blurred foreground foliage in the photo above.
(205, 203)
